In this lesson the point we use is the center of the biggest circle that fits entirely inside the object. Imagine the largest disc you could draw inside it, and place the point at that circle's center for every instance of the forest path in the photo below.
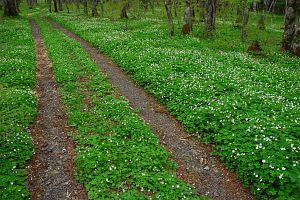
(195, 165)
(51, 170)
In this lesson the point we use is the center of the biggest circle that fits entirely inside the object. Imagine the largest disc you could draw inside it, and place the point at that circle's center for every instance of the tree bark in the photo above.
(10, 8)
(94, 8)
(210, 20)
(85, 7)
(50, 6)
(60, 5)
(187, 26)
(168, 6)
(291, 37)
(55, 5)
(245, 20)
(124, 9)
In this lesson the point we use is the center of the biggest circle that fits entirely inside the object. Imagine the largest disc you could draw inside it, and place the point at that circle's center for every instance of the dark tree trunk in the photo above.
(10, 8)
(85, 7)
(50, 6)
(60, 5)
(291, 37)
(94, 8)
(124, 9)
(187, 26)
(168, 6)
(55, 5)
(210, 20)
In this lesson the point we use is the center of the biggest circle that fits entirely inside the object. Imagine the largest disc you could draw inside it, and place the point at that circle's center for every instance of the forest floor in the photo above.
(101, 133)
(195, 165)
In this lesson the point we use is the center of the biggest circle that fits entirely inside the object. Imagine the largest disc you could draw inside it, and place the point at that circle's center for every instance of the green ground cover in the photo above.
(17, 105)
(118, 157)
(247, 106)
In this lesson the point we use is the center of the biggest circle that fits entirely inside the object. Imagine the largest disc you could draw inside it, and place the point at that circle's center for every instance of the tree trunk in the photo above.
(168, 6)
(254, 6)
(85, 7)
(10, 8)
(210, 20)
(55, 5)
(50, 6)
(94, 8)
(261, 21)
(124, 9)
(187, 21)
(60, 5)
(291, 37)
(296, 40)
(245, 20)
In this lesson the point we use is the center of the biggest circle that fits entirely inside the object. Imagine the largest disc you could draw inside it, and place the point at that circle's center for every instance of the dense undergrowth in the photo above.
(17, 105)
(118, 157)
(247, 106)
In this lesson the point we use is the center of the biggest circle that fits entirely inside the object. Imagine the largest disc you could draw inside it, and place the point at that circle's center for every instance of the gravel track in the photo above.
(195, 163)
(51, 170)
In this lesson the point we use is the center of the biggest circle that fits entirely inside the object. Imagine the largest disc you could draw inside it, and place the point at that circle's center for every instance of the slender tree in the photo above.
(245, 19)
(210, 18)
(187, 21)
(124, 9)
(55, 5)
(168, 6)
(94, 8)
(60, 5)
(50, 5)
(291, 36)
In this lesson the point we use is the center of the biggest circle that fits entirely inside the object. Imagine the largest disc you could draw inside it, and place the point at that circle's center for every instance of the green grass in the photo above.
(17, 105)
(118, 157)
(247, 106)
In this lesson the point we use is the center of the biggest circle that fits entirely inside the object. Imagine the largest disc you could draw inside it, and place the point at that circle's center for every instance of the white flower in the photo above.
(280, 176)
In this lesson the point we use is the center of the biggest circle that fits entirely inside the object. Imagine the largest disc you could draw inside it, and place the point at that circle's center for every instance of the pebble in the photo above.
(206, 168)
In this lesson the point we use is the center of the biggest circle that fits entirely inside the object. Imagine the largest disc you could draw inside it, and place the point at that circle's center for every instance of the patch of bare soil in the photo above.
(51, 170)
(195, 164)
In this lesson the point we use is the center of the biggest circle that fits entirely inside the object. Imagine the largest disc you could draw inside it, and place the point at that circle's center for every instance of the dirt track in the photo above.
(51, 170)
